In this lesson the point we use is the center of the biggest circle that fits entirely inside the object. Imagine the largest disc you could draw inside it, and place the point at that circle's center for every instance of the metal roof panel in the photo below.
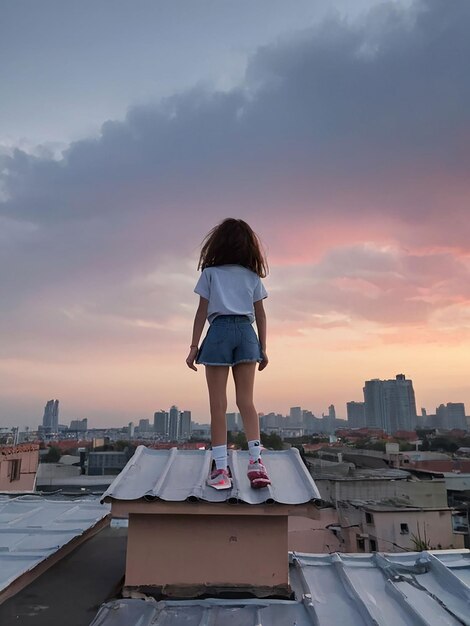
(178, 475)
(33, 528)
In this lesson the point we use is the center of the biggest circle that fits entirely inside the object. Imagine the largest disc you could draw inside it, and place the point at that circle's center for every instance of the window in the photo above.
(404, 530)
(14, 469)
(369, 518)
(360, 543)
(373, 545)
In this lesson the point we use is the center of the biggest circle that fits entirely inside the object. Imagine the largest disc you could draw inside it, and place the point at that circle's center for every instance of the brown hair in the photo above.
(233, 242)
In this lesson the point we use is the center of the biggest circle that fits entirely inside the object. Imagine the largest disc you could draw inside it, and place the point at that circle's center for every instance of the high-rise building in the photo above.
(374, 405)
(233, 421)
(390, 404)
(79, 425)
(174, 424)
(295, 416)
(356, 414)
(160, 423)
(144, 426)
(456, 415)
(130, 430)
(310, 423)
(441, 417)
(451, 416)
(185, 425)
(50, 420)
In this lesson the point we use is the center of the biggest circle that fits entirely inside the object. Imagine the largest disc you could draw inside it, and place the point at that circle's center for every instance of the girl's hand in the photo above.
(264, 362)
(191, 358)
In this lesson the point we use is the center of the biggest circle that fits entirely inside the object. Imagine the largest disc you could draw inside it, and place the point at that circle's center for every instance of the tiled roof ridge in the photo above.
(6, 450)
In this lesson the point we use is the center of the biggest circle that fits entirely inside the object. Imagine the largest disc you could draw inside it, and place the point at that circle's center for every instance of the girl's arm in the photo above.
(260, 317)
(198, 326)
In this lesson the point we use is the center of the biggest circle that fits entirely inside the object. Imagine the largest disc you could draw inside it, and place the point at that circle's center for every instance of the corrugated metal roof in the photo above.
(32, 528)
(178, 475)
(412, 589)
(425, 589)
(203, 613)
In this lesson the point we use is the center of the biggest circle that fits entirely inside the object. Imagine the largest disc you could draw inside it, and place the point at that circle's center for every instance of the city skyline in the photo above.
(338, 133)
(340, 412)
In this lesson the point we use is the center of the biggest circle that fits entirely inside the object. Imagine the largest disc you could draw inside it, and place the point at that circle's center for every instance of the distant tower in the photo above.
(356, 414)
(50, 420)
(441, 417)
(130, 430)
(160, 423)
(295, 416)
(174, 424)
(232, 421)
(55, 417)
(456, 416)
(390, 404)
(185, 425)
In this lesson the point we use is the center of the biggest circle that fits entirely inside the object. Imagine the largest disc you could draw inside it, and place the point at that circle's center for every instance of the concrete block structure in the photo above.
(186, 539)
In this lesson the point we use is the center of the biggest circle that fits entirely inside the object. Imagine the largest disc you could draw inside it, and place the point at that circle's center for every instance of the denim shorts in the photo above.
(231, 339)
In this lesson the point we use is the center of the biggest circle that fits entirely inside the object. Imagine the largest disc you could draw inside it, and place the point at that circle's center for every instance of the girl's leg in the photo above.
(244, 377)
(216, 376)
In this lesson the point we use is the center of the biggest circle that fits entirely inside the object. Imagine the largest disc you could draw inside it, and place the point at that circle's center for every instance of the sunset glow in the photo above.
(345, 149)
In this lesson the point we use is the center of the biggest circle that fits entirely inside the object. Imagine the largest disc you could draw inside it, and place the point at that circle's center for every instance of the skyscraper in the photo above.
(451, 416)
(390, 404)
(50, 420)
(232, 421)
(185, 425)
(144, 425)
(356, 414)
(174, 424)
(160, 423)
(295, 416)
(456, 415)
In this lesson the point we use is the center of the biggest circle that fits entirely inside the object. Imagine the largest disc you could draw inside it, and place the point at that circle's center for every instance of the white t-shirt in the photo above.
(231, 290)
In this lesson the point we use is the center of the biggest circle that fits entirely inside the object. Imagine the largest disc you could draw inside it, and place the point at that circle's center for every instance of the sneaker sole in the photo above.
(259, 483)
(221, 487)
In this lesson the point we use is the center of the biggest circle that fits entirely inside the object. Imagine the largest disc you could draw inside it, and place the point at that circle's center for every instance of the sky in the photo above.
(339, 131)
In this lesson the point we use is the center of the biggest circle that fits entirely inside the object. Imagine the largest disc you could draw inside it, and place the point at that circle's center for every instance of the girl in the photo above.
(231, 298)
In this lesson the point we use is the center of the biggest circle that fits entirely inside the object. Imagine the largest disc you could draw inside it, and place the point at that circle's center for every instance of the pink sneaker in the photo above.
(257, 474)
(219, 479)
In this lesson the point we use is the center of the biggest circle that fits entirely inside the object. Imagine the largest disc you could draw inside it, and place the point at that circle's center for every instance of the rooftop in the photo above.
(180, 475)
(412, 589)
(33, 529)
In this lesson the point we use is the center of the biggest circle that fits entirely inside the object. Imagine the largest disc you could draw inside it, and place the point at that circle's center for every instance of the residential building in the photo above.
(185, 426)
(79, 425)
(18, 467)
(390, 526)
(356, 414)
(174, 424)
(160, 423)
(233, 421)
(455, 416)
(50, 420)
(390, 404)
(106, 463)
(295, 417)
(144, 426)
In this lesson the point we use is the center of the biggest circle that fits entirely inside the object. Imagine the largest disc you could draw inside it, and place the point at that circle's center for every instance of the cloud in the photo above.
(388, 286)
(350, 132)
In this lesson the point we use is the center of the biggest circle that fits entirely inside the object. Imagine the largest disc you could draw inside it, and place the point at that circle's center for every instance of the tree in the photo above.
(272, 441)
(53, 455)
(240, 441)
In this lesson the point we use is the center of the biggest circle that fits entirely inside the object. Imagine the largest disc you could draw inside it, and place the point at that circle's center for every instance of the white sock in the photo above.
(219, 455)
(254, 448)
